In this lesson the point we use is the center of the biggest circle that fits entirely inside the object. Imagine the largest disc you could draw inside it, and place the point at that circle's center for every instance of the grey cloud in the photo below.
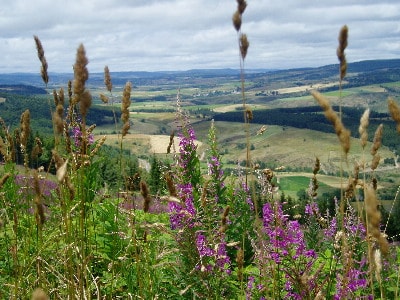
(184, 34)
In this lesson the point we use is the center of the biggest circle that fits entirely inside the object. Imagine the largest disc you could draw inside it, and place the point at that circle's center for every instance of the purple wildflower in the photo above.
(217, 257)
(312, 209)
(250, 284)
(47, 187)
(247, 193)
(185, 193)
(176, 216)
(183, 214)
(187, 149)
(285, 245)
(202, 247)
(77, 136)
(222, 258)
(349, 283)
(331, 230)
(353, 224)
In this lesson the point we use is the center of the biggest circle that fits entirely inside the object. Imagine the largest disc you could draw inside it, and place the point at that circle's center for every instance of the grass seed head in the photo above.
(104, 98)
(240, 263)
(394, 111)
(377, 140)
(244, 45)
(224, 219)
(81, 75)
(37, 149)
(237, 20)
(126, 102)
(362, 129)
(375, 161)
(107, 79)
(25, 127)
(3, 179)
(249, 114)
(343, 36)
(171, 142)
(144, 190)
(42, 58)
(170, 185)
(242, 4)
(342, 133)
(39, 294)
(316, 166)
(374, 218)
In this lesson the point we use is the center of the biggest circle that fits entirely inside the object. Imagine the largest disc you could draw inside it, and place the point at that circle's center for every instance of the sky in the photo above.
(166, 35)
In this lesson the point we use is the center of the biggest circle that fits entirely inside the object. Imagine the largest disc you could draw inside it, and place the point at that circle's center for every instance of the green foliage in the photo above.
(109, 166)
(156, 177)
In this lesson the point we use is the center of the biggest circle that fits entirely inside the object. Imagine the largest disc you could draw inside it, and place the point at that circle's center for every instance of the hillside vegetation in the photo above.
(211, 185)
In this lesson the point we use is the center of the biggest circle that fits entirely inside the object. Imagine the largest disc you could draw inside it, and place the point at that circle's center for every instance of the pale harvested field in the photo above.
(304, 88)
(233, 107)
(226, 108)
(158, 144)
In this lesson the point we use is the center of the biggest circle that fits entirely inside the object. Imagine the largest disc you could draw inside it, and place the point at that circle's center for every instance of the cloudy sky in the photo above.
(154, 35)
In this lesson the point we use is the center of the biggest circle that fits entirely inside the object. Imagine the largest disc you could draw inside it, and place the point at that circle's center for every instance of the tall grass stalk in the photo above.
(343, 42)
(243, 45)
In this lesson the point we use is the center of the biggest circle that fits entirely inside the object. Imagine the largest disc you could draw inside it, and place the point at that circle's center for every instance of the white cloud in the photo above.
(184, 34)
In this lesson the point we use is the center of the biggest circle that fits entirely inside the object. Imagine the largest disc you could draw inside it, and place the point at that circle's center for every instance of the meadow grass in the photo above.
(202, 233)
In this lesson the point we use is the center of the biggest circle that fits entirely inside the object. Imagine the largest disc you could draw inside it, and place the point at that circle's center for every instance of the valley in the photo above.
(215, 94)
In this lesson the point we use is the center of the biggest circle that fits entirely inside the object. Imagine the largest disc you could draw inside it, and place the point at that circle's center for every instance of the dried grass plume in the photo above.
(394, 111)
(39, 294)
(107, 79)
(244, 45)
(373, 219)
(126, 102)
(81, 75)
(362, 129)
(343, 35)
(342, 133)
(42, 58)
(144, 190)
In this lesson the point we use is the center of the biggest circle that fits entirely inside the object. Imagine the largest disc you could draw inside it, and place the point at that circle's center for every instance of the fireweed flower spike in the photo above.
(283, 244)
(187, 175)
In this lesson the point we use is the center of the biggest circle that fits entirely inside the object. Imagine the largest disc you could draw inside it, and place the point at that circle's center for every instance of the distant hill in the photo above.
(369, 67)
(22, 89)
